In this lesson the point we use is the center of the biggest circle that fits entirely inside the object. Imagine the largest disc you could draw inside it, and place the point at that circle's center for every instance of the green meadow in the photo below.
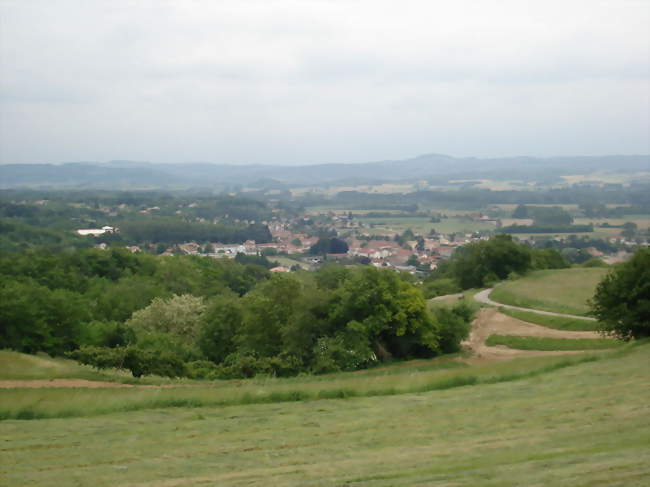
(581, 422)
(552, 344)
(555, 322)
(561, 291)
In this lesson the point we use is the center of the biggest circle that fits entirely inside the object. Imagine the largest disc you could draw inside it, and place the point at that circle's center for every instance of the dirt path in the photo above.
(8, 384)
(483, 297)
(489, 322)
(91, 384)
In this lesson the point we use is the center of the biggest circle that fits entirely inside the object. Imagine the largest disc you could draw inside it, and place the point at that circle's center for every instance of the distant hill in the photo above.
(432, 167)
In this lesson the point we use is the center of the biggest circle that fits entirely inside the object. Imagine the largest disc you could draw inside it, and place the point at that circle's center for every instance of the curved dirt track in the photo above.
(483, 297)
(9, 384)
(489, 322)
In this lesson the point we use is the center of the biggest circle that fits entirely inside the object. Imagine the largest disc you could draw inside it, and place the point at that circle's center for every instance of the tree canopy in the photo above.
(622, 299)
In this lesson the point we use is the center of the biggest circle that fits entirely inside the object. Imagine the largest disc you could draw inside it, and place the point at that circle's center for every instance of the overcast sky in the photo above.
(311, 81)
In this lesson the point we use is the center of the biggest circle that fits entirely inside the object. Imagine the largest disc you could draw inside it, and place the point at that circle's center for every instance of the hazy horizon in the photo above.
(302, 83)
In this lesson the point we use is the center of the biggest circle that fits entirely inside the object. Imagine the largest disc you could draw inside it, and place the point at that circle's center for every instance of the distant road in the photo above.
(483, 297)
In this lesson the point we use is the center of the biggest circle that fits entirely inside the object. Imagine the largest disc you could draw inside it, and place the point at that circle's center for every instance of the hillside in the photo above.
(580, 425)
(441, 168)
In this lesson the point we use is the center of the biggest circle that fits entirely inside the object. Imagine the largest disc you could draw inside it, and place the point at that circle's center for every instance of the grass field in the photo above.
(423, 225)
(552, 344)
(562, 291)
(556, 322)
(400, 378)
(583, 425)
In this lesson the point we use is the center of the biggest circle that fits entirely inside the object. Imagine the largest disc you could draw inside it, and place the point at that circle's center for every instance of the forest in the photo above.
(215, 318)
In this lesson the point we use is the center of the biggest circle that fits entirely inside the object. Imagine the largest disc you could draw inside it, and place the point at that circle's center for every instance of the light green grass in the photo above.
(400, 378)
(555, 322)
(562, 291)
(552, 344)
(580, 426)
(20, 366)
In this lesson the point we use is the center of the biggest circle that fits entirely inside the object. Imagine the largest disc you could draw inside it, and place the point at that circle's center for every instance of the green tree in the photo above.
(391, 313)
(219, 325)
(478, 264)
(178, 316)
(622, 299)
(629, 230)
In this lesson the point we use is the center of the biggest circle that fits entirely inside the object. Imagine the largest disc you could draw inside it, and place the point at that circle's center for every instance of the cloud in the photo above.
(313, 81)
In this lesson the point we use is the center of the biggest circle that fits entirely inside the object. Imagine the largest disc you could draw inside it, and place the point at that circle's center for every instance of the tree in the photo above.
(329, 246)
(178, 316)
(478, 264)
(219, 324)
(622, 299)
(629, 230)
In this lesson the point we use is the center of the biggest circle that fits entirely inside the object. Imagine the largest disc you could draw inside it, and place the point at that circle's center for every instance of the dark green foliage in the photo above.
(479, 264)
(329, 246)
(454, 326)
(440, 287)
(138, 360)
(219, 326)
(35, 318)
(547, 228)
(173, 231)
(548, 259)
(622, 299)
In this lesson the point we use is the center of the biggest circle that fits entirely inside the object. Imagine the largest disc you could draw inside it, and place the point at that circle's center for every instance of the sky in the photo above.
(314, 81)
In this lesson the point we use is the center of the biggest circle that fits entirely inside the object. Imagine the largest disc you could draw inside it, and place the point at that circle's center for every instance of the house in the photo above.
(95, 232)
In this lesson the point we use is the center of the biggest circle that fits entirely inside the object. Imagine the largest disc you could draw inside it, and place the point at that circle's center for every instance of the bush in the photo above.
(440, 287)
(138, 360)
(454, 326)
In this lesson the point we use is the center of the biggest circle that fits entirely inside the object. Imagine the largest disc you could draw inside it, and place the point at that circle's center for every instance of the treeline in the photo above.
(173, 231)
(547, 229)
(637, 195)
(215, 318)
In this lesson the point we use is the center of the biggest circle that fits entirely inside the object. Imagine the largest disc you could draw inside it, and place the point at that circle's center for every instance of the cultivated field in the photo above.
(561, 291)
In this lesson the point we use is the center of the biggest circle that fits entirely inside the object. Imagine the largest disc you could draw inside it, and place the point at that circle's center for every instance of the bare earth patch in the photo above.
(8, 384)
(490, 322)
(92, 384)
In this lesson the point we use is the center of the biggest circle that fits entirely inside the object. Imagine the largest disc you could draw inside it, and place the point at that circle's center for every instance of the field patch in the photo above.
(552, 344)
(560, 291)
(555, 322)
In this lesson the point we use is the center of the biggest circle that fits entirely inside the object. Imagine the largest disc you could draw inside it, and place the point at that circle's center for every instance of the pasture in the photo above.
(561, 291)
(578, 425)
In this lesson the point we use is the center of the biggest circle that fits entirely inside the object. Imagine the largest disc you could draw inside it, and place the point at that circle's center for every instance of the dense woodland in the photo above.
(201, 317)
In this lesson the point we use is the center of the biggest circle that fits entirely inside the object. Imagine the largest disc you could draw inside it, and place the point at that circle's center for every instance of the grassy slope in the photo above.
(552, 344)
(580, 426)
(400, 378)
(19, 366)
(556, 322)
(562, 291)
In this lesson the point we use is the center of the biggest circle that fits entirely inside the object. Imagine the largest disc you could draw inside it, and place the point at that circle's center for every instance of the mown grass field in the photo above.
(562, 291)
(400, 378)
(552, 344)
(555, 322)
(578, 426)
